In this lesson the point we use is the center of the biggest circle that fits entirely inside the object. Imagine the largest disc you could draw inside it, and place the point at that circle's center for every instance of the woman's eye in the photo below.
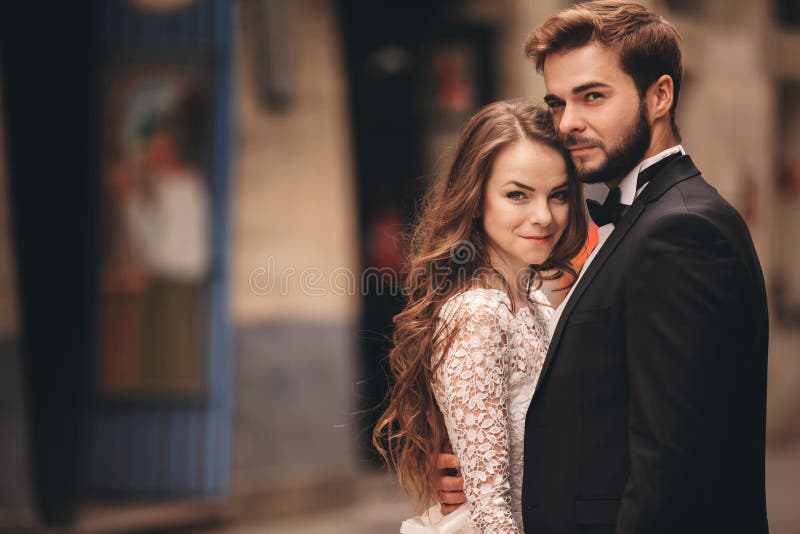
(515, 195)
(560, 196)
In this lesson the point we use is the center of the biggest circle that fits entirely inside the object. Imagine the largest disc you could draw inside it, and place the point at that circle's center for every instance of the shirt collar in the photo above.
(627, 187)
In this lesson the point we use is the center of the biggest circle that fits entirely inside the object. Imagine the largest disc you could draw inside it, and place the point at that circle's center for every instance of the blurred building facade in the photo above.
(340, 112)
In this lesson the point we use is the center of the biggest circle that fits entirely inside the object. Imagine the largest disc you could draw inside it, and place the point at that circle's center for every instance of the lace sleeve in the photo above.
(471, 388)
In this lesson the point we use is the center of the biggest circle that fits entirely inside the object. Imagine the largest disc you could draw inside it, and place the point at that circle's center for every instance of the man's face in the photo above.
(597, 111)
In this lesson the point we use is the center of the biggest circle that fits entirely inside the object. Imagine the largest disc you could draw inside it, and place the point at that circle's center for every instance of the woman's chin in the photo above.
(535, 259)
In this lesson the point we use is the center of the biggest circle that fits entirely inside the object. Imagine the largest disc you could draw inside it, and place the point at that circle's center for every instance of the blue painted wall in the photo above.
(163, 448)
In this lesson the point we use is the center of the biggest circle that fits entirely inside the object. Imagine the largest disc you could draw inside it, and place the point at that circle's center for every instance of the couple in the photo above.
(638, 405)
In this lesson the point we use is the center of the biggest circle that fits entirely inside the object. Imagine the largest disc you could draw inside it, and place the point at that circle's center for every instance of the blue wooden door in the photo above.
(158, 445)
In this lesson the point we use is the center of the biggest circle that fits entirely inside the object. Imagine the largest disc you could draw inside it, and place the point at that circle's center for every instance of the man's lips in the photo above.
(579, 148)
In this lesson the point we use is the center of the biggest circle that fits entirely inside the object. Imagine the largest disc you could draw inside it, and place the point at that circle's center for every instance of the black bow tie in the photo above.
(609, 211)
(612, 209)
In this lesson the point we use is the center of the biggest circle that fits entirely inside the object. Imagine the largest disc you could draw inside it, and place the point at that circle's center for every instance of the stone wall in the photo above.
(295, 223)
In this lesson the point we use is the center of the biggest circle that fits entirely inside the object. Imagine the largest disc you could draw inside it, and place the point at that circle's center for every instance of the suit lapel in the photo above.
(602, 255)
(676, 171)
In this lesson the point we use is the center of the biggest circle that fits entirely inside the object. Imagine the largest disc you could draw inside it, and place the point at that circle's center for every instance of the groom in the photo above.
(649, 414)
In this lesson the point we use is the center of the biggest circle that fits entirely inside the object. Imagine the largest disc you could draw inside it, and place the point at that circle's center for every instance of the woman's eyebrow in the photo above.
(529, 188)
(521, 186)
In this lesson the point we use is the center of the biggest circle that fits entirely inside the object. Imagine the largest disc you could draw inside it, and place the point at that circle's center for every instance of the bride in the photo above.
(471, 340)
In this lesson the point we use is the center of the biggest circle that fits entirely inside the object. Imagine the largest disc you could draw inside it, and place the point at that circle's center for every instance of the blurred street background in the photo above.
(202, 205)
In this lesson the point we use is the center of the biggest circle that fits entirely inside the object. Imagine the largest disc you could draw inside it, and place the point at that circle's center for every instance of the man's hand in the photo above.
(450, 485)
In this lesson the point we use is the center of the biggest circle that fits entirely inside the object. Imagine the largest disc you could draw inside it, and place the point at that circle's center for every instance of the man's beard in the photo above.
(621, 159)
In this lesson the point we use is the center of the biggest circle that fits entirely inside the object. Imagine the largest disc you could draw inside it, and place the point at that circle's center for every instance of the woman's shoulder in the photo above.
(476, 301)
(477, 318)
(482, 300)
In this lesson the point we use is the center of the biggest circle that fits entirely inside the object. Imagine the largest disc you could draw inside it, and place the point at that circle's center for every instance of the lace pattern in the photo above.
(483, 388)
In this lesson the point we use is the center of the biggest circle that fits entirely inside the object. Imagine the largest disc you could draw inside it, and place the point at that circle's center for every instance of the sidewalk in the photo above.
(783, 489)
(382, 506)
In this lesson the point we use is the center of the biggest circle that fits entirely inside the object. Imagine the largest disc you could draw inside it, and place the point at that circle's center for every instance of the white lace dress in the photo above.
(483, 388)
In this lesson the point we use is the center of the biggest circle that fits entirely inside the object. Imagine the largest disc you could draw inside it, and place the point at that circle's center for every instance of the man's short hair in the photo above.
(648, 45)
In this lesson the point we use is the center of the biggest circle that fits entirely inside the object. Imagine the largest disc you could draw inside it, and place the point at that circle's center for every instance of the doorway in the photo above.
(417, 72)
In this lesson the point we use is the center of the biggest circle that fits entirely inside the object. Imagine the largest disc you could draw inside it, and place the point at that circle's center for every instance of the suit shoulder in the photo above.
(700, 197)
(694, 214)
(696, 202)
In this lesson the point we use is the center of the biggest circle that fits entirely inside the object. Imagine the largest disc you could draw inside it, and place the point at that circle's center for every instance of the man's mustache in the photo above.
(572, 140)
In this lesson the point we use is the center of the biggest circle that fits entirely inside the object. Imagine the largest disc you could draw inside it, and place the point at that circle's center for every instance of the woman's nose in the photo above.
(540, 213)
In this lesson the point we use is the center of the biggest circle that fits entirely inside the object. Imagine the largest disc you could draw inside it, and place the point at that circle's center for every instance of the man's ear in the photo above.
(660, 96)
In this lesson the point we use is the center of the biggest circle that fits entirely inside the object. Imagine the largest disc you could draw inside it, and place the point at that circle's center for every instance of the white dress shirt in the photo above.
(628, 193)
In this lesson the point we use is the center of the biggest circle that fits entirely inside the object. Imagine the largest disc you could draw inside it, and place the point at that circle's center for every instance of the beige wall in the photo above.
(518, 76)
(294, 178)
(727, 115)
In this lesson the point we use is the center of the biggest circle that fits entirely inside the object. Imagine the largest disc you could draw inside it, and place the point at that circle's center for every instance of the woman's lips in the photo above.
(536, 239)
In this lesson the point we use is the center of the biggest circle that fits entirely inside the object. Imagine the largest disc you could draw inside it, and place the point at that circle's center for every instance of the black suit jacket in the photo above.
(649, 414)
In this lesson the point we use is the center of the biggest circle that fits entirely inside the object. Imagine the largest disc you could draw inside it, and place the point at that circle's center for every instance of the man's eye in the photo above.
(555, 105)
(593, 96)
(515, 195)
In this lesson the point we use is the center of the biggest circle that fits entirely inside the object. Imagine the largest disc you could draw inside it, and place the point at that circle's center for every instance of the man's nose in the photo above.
(570, 121)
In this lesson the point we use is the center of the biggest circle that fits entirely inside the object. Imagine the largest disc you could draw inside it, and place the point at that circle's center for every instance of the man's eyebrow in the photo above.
(548, 98)
(589, 85)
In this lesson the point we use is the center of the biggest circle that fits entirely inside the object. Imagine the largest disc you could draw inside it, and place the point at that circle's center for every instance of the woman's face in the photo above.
(525, 205)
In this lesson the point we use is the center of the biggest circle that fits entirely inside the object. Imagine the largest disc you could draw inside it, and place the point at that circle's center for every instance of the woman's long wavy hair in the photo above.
(448, 251)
